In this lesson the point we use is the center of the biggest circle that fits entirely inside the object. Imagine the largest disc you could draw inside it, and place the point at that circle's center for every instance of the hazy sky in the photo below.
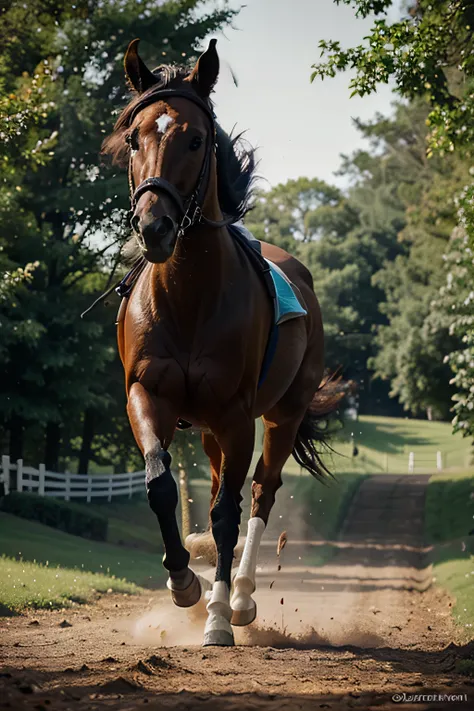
(301, 128)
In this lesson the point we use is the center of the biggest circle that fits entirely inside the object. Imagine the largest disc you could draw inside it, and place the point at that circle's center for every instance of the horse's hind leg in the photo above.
(236, 442)
(153, 424)
(277, 446)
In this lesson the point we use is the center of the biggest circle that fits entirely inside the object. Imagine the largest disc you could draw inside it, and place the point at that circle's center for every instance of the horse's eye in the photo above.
(195, 144)
(132, 140)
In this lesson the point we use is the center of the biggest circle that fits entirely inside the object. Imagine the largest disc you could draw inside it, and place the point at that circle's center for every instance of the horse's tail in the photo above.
(313, 433)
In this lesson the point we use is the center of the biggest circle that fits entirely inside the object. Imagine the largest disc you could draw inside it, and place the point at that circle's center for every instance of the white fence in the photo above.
(424, 463)
(69, 486)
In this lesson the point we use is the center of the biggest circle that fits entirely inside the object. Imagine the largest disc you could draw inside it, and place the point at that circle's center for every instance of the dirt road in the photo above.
(366, 631)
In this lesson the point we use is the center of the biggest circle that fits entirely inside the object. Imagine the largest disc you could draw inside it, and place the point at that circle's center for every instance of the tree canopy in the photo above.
(429, 55)
(62, 210)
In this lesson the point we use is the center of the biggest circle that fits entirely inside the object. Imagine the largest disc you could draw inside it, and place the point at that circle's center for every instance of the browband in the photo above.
(158, 94)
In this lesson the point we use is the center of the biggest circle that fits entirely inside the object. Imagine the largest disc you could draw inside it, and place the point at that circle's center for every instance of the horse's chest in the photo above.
(211, 356)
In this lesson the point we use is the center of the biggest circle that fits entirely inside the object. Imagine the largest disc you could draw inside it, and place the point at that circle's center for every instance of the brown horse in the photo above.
(194, 331)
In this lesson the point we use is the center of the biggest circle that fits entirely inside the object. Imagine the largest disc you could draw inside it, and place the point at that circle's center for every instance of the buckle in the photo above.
(185, 224)
(197, 215)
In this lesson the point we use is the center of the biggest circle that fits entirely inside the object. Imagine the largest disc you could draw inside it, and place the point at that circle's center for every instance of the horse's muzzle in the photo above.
(157, 238)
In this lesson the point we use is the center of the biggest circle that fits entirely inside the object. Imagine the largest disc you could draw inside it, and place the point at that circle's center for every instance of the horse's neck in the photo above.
(193, 281)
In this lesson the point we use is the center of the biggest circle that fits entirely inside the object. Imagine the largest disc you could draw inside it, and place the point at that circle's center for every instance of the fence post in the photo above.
(41, 480)
(19, 475)
(89, 488)
(67, 490)
(386, 462)
(109, 495)
(6, 473)
(411, 462)
(130, 482)
(439, 461)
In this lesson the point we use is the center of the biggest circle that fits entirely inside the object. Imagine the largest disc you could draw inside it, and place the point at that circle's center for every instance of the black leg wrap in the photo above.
(162, 495)
(225, 517)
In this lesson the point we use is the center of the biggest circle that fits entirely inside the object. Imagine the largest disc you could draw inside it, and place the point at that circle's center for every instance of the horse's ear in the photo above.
(206, 71)
(138, 74)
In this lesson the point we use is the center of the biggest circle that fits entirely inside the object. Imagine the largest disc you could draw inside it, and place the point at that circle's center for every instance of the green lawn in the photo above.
(449, 517)
(385, 442)
(131, 523)
(84, 565)
(457, 576)
(24, 584)
(449, 507)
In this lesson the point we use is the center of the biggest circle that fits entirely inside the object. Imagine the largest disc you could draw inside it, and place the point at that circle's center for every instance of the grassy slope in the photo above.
(45, 548)
(449, 516)
(24, 584)
(385, 442)
(131, 523)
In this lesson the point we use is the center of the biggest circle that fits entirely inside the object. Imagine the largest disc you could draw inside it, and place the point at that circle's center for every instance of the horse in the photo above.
(194, 331)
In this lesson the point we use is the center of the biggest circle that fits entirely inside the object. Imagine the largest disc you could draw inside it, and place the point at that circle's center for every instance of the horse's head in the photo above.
(171, 136)
(183, 168)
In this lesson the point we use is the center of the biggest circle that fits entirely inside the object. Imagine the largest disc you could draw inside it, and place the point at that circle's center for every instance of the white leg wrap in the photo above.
(244, 608)
(218, 629)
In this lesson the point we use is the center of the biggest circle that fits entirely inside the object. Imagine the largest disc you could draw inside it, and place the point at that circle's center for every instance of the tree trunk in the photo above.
(85, 454)
(17, 427)
(51, 450)
(184, 497)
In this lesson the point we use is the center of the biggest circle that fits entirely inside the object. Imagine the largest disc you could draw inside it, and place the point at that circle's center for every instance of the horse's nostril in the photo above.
(165, 225)
(162, 229)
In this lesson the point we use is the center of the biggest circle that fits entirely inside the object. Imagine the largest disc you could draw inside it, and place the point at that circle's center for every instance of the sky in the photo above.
(301, 129)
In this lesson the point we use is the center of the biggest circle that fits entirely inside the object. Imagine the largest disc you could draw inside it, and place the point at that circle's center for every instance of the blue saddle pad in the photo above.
(286, 304)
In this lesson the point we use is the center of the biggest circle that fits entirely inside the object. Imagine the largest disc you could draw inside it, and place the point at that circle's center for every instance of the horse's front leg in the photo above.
(236, 442)
(153, 423)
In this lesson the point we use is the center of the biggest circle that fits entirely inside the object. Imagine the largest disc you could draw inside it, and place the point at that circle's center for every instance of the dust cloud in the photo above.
(291, 614)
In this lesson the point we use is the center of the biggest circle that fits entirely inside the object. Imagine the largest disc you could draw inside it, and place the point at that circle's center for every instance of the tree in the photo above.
(412, 349)
(430, 55)
(286, 212)
(61, 209)
(455, 303)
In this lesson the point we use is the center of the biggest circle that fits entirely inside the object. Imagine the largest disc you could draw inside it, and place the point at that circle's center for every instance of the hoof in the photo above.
(241, 618)
(187, 597)
(218, 638)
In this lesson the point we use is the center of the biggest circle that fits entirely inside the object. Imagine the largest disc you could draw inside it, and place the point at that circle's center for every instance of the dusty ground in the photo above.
(352, 634)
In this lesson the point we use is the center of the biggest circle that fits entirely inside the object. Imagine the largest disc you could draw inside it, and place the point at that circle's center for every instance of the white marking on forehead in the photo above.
(163, 122)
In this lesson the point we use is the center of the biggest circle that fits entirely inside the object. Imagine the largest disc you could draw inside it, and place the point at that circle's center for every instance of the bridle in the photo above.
(190, 209)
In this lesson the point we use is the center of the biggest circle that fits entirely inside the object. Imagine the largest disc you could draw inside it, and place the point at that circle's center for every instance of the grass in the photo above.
(91, 563)
(457, 576)
(449, 517)
(384, 444)
(24, 584)
(449, 507)
(131, 523)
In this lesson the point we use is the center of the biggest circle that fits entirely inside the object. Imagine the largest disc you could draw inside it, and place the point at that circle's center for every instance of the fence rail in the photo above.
(68, 486)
